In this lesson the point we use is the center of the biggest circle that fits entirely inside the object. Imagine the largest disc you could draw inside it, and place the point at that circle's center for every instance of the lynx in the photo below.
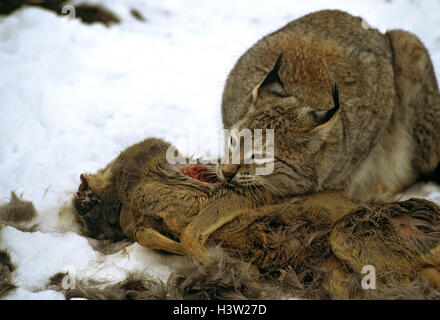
(353, 109)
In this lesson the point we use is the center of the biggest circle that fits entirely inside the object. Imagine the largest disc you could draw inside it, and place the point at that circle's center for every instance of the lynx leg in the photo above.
(154, 240)
(417, 86)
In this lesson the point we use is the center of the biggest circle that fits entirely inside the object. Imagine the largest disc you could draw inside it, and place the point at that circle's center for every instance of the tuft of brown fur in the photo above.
(92, 13)
(224, 278)
(88, 13)
(137, 15)
(136, 286)
(228, 278)
(18, 213)
(108, 246)
(6, 269)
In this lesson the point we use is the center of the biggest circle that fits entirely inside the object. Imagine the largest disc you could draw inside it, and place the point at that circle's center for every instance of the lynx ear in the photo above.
(324, 119)
(272, 78)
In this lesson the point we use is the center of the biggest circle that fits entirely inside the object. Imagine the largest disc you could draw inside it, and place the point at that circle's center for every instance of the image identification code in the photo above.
(224, 309)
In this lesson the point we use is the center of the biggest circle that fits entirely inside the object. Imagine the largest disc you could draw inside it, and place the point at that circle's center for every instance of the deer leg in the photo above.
(154, 240)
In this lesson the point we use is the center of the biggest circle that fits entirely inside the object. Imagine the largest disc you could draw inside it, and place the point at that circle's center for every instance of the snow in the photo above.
(74, 96)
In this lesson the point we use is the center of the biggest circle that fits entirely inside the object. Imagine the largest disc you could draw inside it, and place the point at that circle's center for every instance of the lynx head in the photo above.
(305, 140)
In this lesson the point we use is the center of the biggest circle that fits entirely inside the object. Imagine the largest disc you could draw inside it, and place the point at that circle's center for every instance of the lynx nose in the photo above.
(229, 171)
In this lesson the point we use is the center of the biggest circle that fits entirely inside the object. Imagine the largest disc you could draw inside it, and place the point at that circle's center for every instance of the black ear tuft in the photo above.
(273, 76)
(321, 117)
(336, 97)
(329, 114)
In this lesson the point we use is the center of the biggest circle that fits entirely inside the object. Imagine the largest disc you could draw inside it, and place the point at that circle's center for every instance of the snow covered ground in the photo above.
(73, 96)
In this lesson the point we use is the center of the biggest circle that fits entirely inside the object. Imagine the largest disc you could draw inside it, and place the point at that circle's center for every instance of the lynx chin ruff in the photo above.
(375, 136)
